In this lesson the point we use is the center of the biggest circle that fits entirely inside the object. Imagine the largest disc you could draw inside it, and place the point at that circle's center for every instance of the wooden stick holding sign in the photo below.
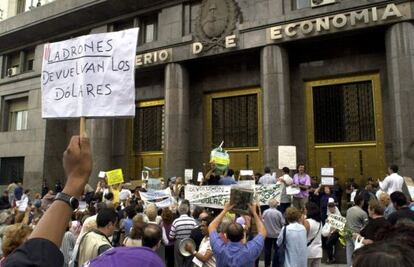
(82, 126)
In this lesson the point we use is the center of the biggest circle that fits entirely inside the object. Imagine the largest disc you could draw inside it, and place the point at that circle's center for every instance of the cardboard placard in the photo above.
(287, 157)
(188, 175)
(240, 197)
(90, 76)
(327, 171)
(336, 221)
(115, 177)
(327, 180)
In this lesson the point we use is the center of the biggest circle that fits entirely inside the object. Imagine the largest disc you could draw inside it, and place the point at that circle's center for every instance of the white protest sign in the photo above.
(101, 174)
(246, 172)
(161, 198)
(327, 171)
(90, 76)
(215, 196)
(327, 181)
(153, 184)
(188, 175)
(336, 221)
(247, 183)
(200, 177)
(287, 157)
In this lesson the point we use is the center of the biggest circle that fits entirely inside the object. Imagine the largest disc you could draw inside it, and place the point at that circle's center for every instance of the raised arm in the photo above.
(77, 162)
(216, 222)
(261, 229)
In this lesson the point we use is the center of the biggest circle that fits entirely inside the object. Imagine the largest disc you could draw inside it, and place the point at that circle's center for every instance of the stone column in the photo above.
(276, 102)
(100, 134)
(400, 63)
(177, 114)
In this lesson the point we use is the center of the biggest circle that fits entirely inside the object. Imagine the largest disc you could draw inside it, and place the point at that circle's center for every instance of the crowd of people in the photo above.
(113, 226)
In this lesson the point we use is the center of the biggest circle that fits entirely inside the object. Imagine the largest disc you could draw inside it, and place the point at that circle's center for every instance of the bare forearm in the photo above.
(216, 222)
(261, 229)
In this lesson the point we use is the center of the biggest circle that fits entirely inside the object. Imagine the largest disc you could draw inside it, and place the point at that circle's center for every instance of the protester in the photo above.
(134, 239)
(393, 182)
(376, 223)
(96, 242)
(313, 227)
(228, 179)
(167, 220)
(303, 181)
(22, 205)
(294, 236)
(331, 233)
(385, 201)
(68, 244)
(338, 192)
(235, 253)
(213, 175)
(126, 224)
(400, 203)
(324, 197)
(274, 221)
(10, 189)
(356, 219)
(181, 229)
(18, 191)
(285, 180)
(267, 178)
(13, 237)
(197, 233)
(204, 255)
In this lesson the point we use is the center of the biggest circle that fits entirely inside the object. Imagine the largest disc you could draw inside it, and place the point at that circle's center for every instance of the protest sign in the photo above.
(101, 174)
(246, 183)
(161, 198)
(246, 172)
(188, 175)
(115, 177)
(90, 76)
(216, 196)
(327, 171)
(336, 221)
(154, 184)
(144, 175)
(200, 177)
(240, 197)
(327, 181)
(287, 157)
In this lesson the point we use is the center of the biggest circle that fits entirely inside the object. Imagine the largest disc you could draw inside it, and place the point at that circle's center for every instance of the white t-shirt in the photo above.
(125, 194)
(315, 248)
(204, 246)
(23, 203)
(392, 183)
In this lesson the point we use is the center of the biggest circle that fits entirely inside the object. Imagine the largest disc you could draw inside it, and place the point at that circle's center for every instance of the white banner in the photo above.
(161, 198)
(215, 196)
(90, 76)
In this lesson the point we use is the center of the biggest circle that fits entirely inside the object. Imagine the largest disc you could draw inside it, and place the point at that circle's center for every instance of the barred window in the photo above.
(149, 129)
(344, 113)
(11, 169)
(235, 121)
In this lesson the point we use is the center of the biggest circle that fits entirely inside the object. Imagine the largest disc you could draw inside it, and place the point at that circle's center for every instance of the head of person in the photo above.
(301, 168)
(327, 189)
(267, 170)
(197, 211)
(384, 254)
(331, 205)
(106, 220)
(273, 203)
(313, 211)
(183, 209)
(179, 181)
(230, 172)
(375, 208)
(130, 212)
(235, 232)
(402, 232)
(138, 226)
(20, 184)
(204, 223)
(292, 214)
(152, 212)
(392, 169)
(359, 200)
(224, 224)
(285, 170)
(384, 199)
(14, 236)
(167, 216)
(109, 196)
(151, 237)
(27, 192)
(398, 199)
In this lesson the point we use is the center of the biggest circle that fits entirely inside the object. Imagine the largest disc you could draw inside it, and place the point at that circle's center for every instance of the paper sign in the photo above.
(188, 175)
(90, 76)
(246, 173)
(200, 177)
(101, 174)
(327, 181)
(327, 171)
(115, 177)
(154, 184)
(336, 221)
(287, 157)
(247, 183)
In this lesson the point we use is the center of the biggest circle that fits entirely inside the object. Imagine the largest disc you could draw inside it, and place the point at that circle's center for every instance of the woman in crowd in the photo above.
(296, 250)
(313, 227)
(13, 237)
(135, 236)
(167, 220)
(331, 233)
(324, 199)
(376, 223)
(204, 256)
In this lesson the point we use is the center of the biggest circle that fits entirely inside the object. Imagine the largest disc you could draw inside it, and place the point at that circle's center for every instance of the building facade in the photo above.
(333, 78)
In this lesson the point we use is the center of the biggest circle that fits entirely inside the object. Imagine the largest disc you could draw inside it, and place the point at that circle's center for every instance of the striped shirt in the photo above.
(182, 226)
